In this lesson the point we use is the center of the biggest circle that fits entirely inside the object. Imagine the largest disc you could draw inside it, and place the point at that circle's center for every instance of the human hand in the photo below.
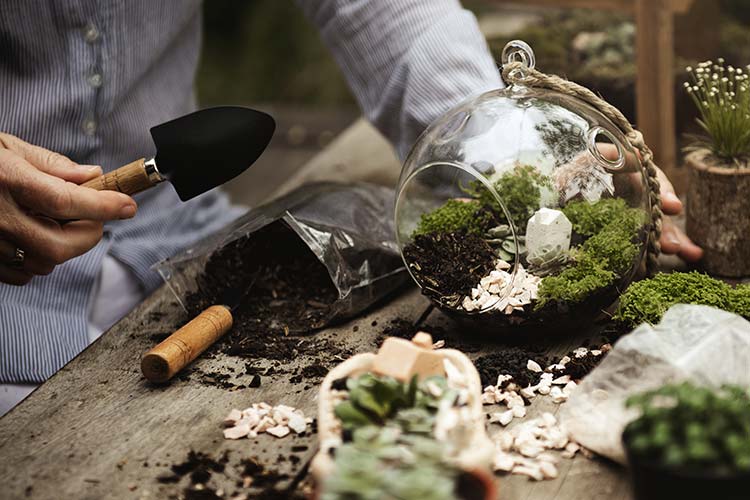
(38, 188)
(673, 240)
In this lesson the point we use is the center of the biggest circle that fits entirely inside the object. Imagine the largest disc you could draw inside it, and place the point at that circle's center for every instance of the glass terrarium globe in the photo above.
(521, 204)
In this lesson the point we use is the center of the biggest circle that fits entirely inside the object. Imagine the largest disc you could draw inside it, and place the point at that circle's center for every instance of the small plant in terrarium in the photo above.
(563, 254)
(692, 428)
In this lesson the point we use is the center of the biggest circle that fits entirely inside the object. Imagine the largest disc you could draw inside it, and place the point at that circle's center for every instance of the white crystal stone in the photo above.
(548, 229)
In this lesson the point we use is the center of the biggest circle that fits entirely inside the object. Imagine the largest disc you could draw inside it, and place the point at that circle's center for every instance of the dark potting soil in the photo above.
(198, 465)
(280, 293)
(449, 265)
(510, 361)
(579, 367)
(406, 329)
(249, 475)
(274, 283)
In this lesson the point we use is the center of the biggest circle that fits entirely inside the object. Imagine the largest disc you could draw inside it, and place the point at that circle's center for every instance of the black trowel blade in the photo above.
(207, 148)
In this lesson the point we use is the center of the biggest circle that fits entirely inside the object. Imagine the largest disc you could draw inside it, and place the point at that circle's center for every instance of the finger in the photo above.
(50, 162)
(34, 264)
(14, 276)
(670, 240)
(54, 197)
(48, 241)
(670, 203)
(689, 251)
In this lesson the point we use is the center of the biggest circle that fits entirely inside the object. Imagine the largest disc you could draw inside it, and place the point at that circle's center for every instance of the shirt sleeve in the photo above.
(406, 61)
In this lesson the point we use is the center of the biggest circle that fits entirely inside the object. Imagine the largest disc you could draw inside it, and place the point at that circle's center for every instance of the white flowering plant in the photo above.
(722, 95)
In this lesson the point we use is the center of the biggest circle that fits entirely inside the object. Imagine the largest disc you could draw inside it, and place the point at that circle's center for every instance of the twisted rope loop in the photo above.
(518, 72)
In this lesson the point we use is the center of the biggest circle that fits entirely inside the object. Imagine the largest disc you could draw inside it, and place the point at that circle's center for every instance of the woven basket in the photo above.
(473, 458)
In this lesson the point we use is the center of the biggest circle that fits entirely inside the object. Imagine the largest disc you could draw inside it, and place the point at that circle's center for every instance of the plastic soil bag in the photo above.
(707, 346)
(321, 253)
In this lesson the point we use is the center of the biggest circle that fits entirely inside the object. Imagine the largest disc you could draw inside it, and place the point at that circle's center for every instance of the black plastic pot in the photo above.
(654, 481)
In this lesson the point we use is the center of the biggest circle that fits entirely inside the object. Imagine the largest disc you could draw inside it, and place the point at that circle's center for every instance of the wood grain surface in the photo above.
(98, 429)
(129, 179)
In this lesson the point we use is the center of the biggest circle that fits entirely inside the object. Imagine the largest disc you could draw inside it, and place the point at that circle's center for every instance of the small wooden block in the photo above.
(402, 359)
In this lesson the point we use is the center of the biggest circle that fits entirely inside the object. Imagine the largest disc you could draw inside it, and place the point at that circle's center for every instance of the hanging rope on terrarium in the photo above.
(518, 67)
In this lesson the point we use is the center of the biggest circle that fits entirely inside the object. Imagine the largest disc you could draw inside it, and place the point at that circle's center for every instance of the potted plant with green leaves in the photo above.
(690, 442)
(404, 423)
(718, 199)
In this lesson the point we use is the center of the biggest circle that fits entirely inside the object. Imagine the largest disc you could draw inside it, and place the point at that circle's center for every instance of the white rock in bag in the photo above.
(548, 229)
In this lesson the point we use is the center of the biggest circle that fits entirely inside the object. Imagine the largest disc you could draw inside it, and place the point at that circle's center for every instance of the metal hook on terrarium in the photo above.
(518, 51)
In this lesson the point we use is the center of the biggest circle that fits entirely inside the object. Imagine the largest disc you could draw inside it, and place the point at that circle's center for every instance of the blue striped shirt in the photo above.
(88, 79)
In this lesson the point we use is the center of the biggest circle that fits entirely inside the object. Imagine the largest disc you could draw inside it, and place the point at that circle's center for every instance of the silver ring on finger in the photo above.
(18, 259)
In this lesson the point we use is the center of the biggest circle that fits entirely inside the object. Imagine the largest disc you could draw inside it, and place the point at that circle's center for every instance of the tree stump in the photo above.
(718, 214)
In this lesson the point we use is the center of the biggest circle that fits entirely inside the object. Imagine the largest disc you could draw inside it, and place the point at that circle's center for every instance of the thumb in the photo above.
(50, 162)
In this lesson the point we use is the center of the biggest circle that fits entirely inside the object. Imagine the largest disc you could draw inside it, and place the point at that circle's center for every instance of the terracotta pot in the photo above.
(718, 214)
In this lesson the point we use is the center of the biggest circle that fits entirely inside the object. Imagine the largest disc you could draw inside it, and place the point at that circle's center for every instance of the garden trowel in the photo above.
(196, 152)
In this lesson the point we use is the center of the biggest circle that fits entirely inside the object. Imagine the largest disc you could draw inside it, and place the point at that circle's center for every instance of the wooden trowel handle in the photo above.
(130, 179)
(166, 359)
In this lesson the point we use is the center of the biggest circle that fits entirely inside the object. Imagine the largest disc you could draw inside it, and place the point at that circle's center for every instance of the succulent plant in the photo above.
(502, 241)
(376, 400)
(385, 463)
(392, 452)
(692, 427)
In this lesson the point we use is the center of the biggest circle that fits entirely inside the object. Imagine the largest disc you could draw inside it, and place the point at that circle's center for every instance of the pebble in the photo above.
(279, 431)
(277, 421)
(534, 473)
(492, 291)
(548, 469)
(533, 366)
(503, 462)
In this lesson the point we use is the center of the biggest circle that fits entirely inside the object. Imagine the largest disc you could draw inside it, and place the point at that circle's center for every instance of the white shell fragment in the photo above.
(548, 230)
(500, 291)
(533, 366)
(233, 417)
(279, 431)
(261, 417)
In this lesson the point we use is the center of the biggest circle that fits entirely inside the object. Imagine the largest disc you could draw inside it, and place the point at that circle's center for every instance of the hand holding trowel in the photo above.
(195, 153)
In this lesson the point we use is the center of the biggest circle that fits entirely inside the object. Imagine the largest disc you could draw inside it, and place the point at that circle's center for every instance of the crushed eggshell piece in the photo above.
(261, 417)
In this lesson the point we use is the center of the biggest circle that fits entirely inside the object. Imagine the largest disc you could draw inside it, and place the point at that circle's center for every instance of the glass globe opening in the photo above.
(446, 212)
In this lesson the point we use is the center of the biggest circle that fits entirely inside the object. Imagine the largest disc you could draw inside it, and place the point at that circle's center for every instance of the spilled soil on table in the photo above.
(248, 476)
(279, 293)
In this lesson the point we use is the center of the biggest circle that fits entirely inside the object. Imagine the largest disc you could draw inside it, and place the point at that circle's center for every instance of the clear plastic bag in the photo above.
(702, 344)
(349, 228)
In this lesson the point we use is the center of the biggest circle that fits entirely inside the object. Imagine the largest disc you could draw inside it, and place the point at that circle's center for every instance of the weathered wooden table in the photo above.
(96, 429)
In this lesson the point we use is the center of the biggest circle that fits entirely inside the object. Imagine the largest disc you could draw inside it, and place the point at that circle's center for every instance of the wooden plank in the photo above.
(655, 80)
(96, 429)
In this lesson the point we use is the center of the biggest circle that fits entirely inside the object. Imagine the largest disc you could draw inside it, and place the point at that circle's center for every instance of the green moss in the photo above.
(739, 300)
(576, 283)
(520, 191)
(590, 218)
(613, 245)
(608, 253)
(456, 215)
(646, 301)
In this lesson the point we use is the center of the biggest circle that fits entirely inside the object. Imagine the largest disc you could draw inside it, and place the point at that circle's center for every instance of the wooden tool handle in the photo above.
(166, 359)
(130, 179)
